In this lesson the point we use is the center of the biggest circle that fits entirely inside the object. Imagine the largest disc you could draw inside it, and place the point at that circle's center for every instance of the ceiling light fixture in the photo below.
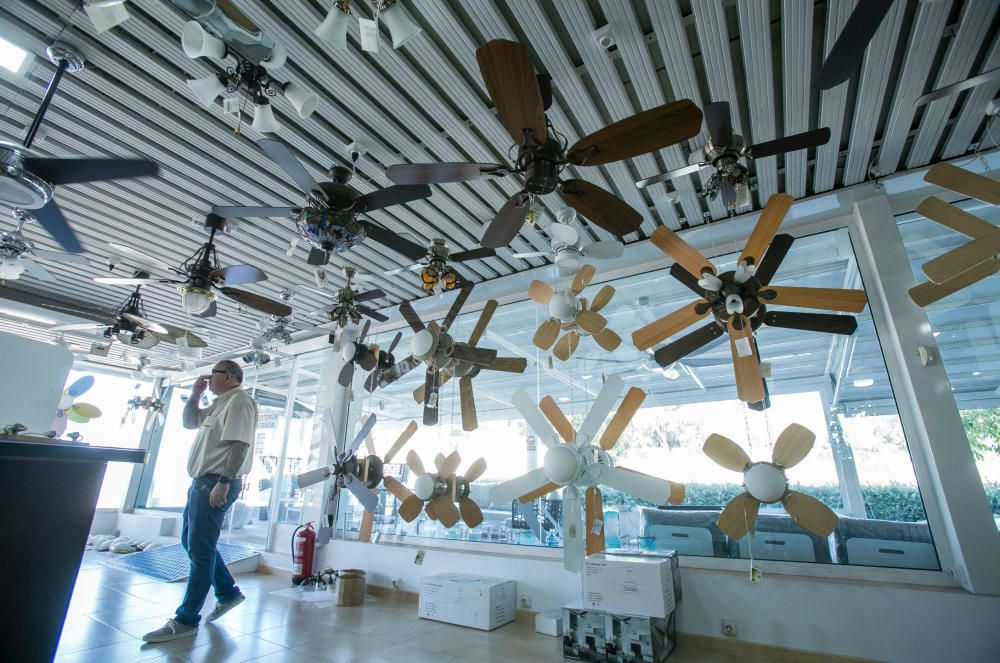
(333, 29)
(195, 300)
(10, 269)
(864, 382)
(106, 14)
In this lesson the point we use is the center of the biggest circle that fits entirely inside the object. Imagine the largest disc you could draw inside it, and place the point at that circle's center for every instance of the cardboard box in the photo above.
(548, 623)
(675, 567)
(629, 585)
(483, 603)
(583, 633)
(636, 639)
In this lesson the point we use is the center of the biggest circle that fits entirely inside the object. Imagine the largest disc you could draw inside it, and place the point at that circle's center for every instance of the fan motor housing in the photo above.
(18, 187)
(753, 307)
(375, 471)
(563, 306)
(541, 167)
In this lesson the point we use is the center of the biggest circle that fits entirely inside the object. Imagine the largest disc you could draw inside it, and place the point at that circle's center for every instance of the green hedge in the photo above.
(892, 501)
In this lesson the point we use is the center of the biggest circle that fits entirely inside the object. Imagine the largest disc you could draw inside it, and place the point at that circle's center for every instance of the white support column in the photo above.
(957, 510)
(277, 490)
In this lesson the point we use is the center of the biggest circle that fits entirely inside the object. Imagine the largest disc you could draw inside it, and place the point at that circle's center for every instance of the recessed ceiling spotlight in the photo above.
(14, 58)
(863, 382)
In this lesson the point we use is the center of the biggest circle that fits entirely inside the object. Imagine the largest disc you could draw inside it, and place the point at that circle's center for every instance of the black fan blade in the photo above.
(364, 330)
(431, 385)
(440, 173)
(480, 356)
(817, 322)
(52, 219)
(243, 212)
(73, 171)
(393, 195)
(850, 46)
(801, 141)
(411, 250)
(264, 304)
(456, 306)
(371, 382)
(395, 342)
(281, 155)
(508, 221)
(472, 254)
(371, 313)
(411, 317)
(398, 370)
(719, 123)
(238, 275)
(685, 277)
(371, 294)
(366, 358)
(346, 374)
(318, 257)
(687, 344)
(775, 253)
(545, 89)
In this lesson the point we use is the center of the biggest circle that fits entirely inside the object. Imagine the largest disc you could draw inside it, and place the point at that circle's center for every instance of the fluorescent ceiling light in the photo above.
(864, 382)
(13, 58)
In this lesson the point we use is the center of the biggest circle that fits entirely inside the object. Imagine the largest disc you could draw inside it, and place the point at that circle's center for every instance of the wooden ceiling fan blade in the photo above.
(508, 364)
(637, 484)
(630, 405)
(850, 46)
(602, 298)
(719, 123)
(591, 322)
(508, 221)
(766, 228)
(540, 292)
(817, 322)
(430, 510)
(726, 453)
(746, 363)
(546, 334)
(394, 241)
(582, 279)
(398, 490)
(558, 419)
(950, 265)
(594, 520)
(965, 182)
(773, 257)
(430, 417)
(411, 317)
(346, 374)
(642, 133)
(957, 219)
(389, 196)
(513, 87)
(450, 464)
(662, 329)
(608, 339)
(793, 143)
(538, 492)
(470, 421)
(810, 513)
(148, 325)
(398, 370)
(410, 508)
(683, 253)
(739, 516)
(687, 344)
(438, 460)
(258, 302)
(367, 523)
(825, 299)
(404, 437)
(484, 319)
(479, 356)
(600, 206)
(414, 463)
(504, 493)
(566, 346)
(793, 444)
(663, 177)
(472, 515)
(440, 173)
(929, 292)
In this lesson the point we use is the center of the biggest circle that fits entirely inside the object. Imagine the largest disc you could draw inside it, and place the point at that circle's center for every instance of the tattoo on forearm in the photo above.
(237, 454)
(190, 415)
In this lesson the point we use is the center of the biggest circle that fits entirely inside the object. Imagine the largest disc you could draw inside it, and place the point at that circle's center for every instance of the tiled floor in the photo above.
(111, 610)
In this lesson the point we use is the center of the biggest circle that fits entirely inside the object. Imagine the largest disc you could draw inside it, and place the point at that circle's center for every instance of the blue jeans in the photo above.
(199, 535)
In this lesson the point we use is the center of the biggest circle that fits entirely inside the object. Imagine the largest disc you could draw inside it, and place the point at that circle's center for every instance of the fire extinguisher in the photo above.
(303, 548)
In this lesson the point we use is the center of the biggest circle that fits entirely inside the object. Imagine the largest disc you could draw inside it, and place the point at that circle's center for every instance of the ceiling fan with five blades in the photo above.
(18, 255)
(436, 272)
(568, 249)
(349, 308)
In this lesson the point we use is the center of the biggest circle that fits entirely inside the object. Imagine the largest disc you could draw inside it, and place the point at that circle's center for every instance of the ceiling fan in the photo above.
(765, 483)
(386, 361)
(70, 410)
(357, 352)
(436, 272)
(850, 46)
(390, 483)
(28, 182)
(329, 219)
(570, 313)
(568, 249)
(583, 462)
(724, 151)
(520, 99)
(737, 301)
(348, 308)
(437, 492)
(973, 261)
(17, 254)
(154, 405)
(203, 275)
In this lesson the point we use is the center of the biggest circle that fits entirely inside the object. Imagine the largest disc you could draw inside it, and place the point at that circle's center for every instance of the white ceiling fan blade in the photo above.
(604, 250)
(572, 530)
(475, 470)
(651, 489)
(534, 254)
(366, 428)
(327, 428)
(508, 491)
(536, 421)
(563, 234)
(600, 409)
(312, 477)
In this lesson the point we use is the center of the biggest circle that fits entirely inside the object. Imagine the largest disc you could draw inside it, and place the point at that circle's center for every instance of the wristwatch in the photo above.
(224, 480)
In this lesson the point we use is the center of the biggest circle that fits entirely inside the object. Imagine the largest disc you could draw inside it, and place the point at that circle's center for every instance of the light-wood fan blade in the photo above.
(475, 470)
(566, 346)
(630, 405)
(662, 329)
(450, 464)
(418, 393)
(470, 421)
(403, 438)
(957, 219)
(513, 87)
(558, 420)
(415, 464)
(644, 132)
(602, 298)
(794, 444)
(438, 460)
(546, 334)
(540, 292)
(410, 508)
(539, 492)
(825, 299)
(948, 266)
(582, 279)
(930, 292)
(471, 513)
(484, 319)
(638, 484)
(367, 522)
(810, 513)
(593, 323)
(726, 453)
(594, 514)
(683, 253)
(746, 363)
(739, 516)
(446, 511)
(508, 364)
(398, 490)
(430, 511)
(608, 339)
(767, 227)
(964, 182)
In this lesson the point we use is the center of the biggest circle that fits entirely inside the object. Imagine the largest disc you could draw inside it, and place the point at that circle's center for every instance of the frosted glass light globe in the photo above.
(561, 464)
(765, 482)
(422, 343)
(10, 269)
(195, 300)
(347, 351)
(423, 487)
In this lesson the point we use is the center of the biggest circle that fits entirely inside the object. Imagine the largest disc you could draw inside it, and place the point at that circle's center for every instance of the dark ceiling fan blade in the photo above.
(642, 133)
(801, 141)
(688, 343)
(237, 212)
(850, 46)
(346, 374)
(52, 219)
(456, 306)
(72, 171)
(393, 195)
(395, 341)
(601, 207)
(663, 177)
(59, 256)
(411, 250)
(440, 173)
(366, 358)
(258, 302)
(238, 275)
(411, 317)
(398, 370)
(371, 382)
(817, 322)
(719, 123)
(148, 325)
(279, 153)
(431, 386)
(685, 277)
(481, 356)
(371, 313)
(371, 294)
(513, 87)
(472, 254)
(317, 257)
(508, 221)
(775, 253)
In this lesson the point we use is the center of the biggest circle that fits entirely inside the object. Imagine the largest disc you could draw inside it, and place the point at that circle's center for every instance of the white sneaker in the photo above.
(170, 631)
(222, 608)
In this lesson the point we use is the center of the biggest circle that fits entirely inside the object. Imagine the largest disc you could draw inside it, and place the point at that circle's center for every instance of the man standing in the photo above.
(222, 453)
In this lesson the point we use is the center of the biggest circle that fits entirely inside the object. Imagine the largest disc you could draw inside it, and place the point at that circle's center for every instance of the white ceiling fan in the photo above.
(568, 248)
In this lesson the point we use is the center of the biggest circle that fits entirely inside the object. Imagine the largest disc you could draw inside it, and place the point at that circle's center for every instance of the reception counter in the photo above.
(48, 495)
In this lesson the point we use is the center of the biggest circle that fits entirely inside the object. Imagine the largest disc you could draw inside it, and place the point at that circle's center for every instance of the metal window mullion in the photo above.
(279, 479)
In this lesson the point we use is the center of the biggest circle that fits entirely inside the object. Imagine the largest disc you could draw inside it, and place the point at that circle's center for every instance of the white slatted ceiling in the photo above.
(796, 61)
(971, 117)
(833, 102)
(755, 32)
